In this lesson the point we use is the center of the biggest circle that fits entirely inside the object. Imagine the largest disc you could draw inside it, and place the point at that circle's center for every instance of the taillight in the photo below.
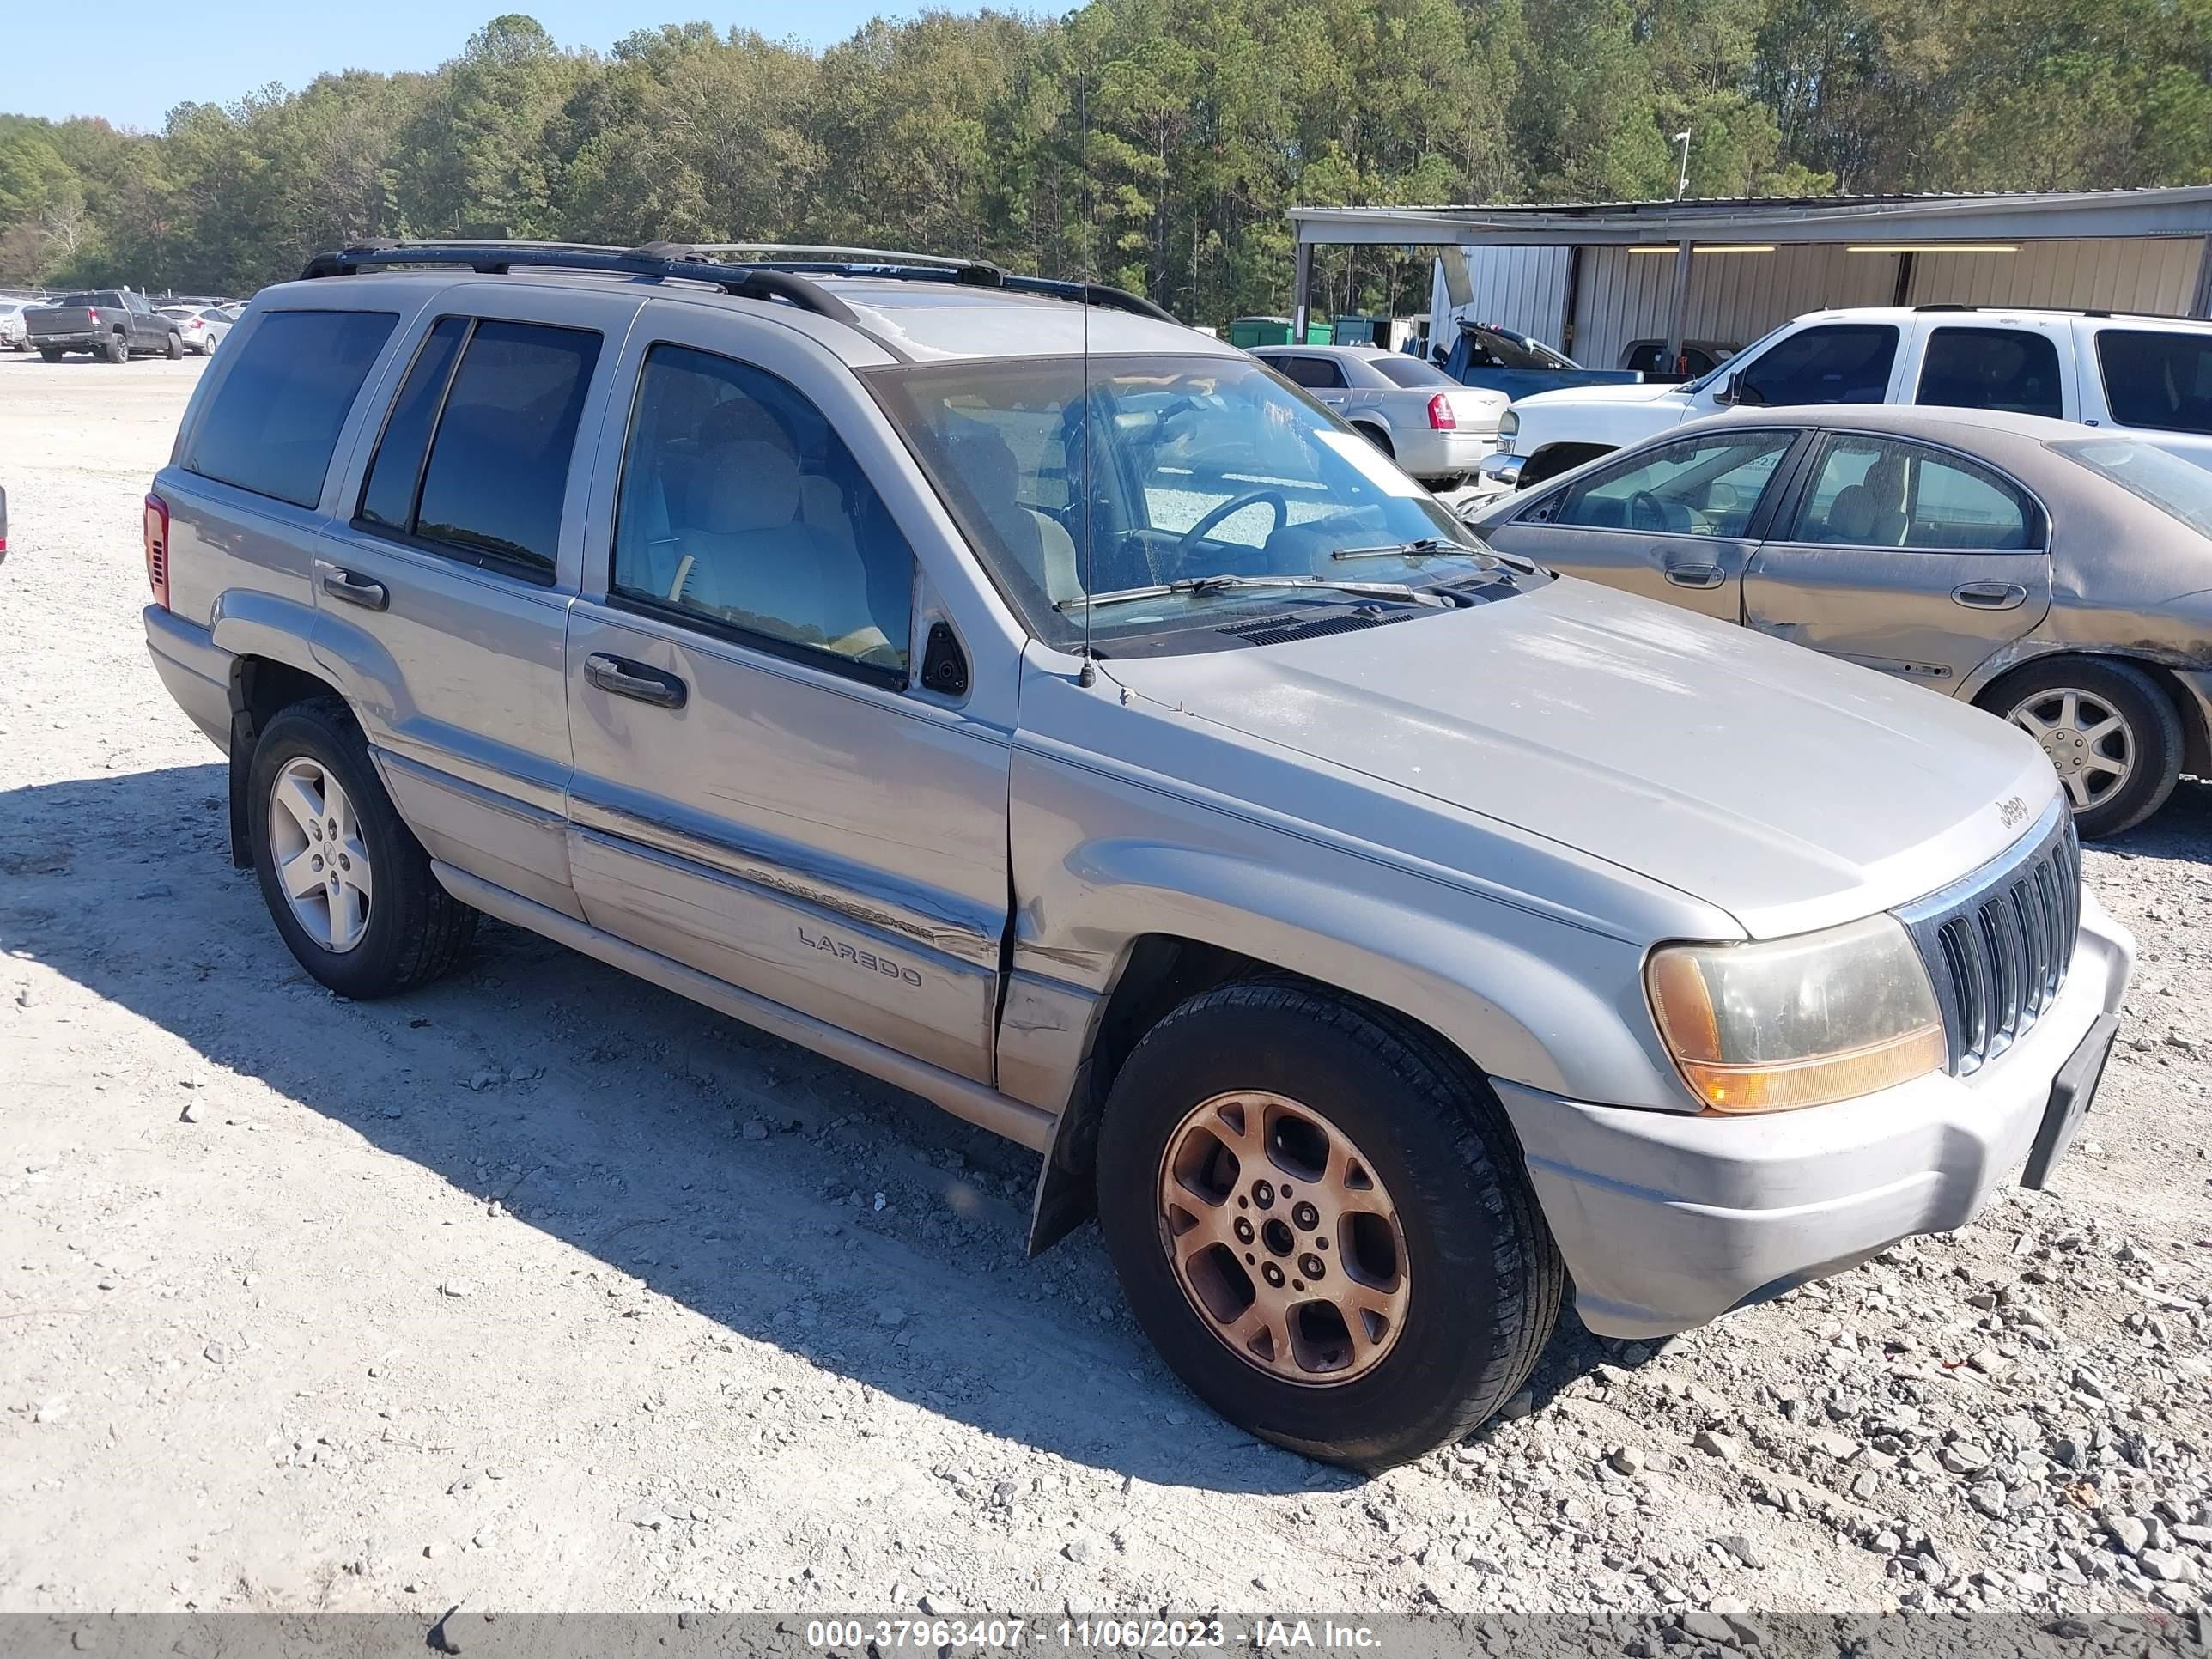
(92, 314)
(156, 523)
(1441, 417)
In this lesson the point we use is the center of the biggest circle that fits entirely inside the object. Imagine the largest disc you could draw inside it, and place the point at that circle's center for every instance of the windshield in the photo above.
(1406, 370)
(2163, 479)
(1199, 468)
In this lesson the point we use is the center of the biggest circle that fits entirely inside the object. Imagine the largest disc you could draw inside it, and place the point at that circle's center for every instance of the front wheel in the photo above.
(1321, 1220)
(2111, 734)
(350, 888)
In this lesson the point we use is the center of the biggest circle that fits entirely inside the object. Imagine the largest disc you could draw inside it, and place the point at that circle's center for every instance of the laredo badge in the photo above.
(865, 960)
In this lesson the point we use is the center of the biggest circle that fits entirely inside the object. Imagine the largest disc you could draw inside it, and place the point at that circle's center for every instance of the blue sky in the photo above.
(211, 54)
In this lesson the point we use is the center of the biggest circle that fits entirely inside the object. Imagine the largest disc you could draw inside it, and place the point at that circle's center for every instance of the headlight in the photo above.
(1509, 429)
(1797, 1022)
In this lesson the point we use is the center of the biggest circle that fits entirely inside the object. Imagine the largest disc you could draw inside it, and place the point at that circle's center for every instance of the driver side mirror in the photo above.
(1733, 391)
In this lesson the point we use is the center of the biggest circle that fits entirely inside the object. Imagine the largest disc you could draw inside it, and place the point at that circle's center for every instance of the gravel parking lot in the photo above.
(547, 1290)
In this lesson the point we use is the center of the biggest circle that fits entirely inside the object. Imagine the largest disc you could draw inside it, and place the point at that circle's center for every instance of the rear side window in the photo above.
(501, 427)
(275, 417)
(1838, 363)
(2007, 369)
(2158, 379)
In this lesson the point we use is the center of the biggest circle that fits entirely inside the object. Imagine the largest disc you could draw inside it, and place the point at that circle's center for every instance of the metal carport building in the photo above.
(1592, 277)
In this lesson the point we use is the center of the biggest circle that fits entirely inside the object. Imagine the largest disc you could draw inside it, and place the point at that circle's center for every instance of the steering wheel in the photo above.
(1234, 505)
(1646, 512)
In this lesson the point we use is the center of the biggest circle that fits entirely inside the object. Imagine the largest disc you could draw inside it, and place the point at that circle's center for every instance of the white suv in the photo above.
(2152, 374)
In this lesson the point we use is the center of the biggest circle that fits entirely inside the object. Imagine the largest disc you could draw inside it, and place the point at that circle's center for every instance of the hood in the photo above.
(1645, 391)
(1789, 790)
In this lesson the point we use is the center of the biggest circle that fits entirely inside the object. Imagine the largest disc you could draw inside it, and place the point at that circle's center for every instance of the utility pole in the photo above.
(1682, 178)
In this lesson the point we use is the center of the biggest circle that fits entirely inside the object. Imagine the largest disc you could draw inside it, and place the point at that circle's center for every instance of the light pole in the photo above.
(1682, 178)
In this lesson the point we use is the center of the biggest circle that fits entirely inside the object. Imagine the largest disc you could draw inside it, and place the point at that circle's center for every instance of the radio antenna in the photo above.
(1087, 675)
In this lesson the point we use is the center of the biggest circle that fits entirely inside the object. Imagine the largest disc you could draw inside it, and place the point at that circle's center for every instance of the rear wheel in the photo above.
(2109, 730)
(1321, 1221)
(350, 888)
(1378, 437)
(49, 353)
(118, 349)
(175, 347)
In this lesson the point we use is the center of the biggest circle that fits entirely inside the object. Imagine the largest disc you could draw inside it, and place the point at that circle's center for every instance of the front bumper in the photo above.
(1668, 1220)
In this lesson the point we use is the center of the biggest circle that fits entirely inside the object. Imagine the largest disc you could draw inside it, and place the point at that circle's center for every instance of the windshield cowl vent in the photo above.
(1281, 630)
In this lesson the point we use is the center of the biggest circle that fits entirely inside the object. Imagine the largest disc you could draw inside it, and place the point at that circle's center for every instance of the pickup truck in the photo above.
(110, 322)
(1494, 359)
(2149, 375)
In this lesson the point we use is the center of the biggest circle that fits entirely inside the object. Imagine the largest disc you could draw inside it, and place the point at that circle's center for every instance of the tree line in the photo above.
(1152, 144)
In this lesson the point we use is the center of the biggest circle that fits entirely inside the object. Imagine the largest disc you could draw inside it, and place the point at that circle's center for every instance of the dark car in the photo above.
(108, 322)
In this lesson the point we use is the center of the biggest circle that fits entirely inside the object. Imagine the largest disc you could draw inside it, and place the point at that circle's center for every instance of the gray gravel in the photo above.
(547, 1290)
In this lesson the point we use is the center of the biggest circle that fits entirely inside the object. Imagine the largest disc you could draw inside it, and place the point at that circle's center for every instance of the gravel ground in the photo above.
(546, 1290)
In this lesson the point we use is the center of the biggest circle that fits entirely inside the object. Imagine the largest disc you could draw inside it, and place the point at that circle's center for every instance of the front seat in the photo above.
(747, 556)
(1035, 540)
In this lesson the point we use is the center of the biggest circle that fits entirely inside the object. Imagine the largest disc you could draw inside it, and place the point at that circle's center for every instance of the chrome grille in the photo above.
(1997, 943)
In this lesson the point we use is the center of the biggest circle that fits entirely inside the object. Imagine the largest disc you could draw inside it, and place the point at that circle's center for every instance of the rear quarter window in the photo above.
(275, 420)
(2156, 378)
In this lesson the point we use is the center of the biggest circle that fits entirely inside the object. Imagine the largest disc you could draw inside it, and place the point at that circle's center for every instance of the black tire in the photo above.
(1560, 458)
(2153, 732)
(417, 931)
(175, 350)
(118, 349)
(1376, 435)
(1484, 1280)
(49, 353)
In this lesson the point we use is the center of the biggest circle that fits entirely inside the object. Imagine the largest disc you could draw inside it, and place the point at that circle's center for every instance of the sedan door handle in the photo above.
(1989, 596)
(354, 590)
(1696, 575)
(626, 678)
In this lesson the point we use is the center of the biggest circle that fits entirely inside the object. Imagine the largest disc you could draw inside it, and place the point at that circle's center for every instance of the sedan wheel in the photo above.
(2087, 739)
(321, 858)
(1286, 1244)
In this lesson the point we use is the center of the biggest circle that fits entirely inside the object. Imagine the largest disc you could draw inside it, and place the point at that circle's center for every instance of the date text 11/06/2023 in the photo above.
(932, 1635)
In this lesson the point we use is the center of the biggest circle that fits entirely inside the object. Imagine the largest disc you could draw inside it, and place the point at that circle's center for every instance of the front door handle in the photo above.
(1696, 575)
(1989, 596)
(625, 678)
(354, 590)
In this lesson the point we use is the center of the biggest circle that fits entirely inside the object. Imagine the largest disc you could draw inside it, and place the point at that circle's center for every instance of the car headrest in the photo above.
(1885, 479)
(1850, 515)
(745, 486)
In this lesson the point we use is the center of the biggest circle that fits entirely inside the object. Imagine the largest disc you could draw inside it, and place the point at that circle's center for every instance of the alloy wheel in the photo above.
(1283, 1238)
(2087, 739)
(322, 862)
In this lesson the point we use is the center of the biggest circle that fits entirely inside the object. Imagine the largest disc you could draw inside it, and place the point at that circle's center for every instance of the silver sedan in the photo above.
(1433, 427)
(2056, 575)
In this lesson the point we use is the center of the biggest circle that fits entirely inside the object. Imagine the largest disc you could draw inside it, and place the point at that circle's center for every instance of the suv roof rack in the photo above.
(2067, 311)
(784, 276)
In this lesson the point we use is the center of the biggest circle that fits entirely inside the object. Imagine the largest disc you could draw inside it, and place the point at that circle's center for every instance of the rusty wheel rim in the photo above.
(1283, 1238)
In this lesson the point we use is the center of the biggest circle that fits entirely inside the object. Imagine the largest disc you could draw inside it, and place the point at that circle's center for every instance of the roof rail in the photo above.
(664, 259)
(781, 277)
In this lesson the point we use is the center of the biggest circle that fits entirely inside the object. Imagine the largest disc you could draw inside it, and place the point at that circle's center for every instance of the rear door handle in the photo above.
(1989, 596)
(341, 584)
(625, 678)
(1696, 575)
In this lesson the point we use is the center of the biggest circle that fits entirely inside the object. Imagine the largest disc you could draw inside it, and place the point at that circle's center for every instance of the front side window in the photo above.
(741, 507)
(2157, 378)
(276, 418)
(1881, 492)
(1708, 486)
(1833, 364)
(2007, 369)
(498, 404)
(1162, 499)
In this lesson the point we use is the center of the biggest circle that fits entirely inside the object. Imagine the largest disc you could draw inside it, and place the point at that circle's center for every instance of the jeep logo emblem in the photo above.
(2013, 810)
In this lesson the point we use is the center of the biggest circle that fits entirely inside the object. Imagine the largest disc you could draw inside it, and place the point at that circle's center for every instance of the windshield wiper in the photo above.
(1397, 591)
(1420, 547)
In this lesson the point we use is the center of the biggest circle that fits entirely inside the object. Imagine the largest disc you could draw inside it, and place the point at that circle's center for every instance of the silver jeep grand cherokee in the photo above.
(1031, 702)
